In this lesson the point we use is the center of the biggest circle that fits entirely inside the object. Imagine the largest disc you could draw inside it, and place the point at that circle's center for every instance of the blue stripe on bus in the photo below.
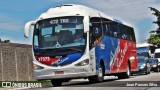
(68, 59)
(110, 44)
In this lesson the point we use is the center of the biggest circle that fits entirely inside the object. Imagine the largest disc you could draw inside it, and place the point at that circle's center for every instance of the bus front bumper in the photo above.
(70, 73)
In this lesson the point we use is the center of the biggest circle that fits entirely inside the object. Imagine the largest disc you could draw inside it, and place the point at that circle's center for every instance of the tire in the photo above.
(125, 74)
(56, 83)
(157, 70)
(146, 72)
(99, 77)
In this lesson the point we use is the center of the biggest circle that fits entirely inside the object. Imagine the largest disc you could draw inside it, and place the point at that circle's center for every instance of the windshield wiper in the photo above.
(79, 50)
(59, 49)
(43, 51)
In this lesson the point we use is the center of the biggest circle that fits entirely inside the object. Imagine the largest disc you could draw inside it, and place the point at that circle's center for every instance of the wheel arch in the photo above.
(103, 64)
(129, 63)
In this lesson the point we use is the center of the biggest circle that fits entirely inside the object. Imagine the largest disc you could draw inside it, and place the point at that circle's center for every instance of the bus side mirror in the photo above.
(27, 28)
(86, 23)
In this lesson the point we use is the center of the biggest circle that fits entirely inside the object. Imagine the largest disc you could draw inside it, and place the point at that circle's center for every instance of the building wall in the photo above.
(15, 62)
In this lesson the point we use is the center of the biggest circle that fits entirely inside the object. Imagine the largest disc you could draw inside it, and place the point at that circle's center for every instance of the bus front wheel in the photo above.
(99, 77)
(56, 82)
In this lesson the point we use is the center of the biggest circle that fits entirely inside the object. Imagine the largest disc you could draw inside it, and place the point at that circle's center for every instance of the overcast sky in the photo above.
(15, 13)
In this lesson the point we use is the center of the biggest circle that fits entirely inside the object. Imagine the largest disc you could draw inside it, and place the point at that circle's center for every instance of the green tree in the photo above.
(154, 39)
(157, 14)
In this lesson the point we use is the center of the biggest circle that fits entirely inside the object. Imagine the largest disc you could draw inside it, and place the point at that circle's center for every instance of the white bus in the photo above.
(74, 41)
(145, 49)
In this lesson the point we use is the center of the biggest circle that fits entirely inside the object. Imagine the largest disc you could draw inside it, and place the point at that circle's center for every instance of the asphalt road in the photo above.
(136, 82)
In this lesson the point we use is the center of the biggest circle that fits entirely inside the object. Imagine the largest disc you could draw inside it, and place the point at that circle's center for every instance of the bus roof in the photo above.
(144, 45)
(76, 10)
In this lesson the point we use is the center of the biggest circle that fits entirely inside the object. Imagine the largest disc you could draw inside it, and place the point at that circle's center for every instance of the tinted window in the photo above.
(131, 33)
(111, 29)
(157, 55)
(144, 54)
(150, 60)
(96, 27)
(155, 61)
(114, 30)
(141, 60)
(106, 29)
(126, 33)
(118, 30)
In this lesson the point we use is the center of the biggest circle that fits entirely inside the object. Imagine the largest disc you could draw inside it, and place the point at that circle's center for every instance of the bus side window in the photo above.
(123, 32)
(132, 35)
(107, 32)
(113, 28)
(126, 33)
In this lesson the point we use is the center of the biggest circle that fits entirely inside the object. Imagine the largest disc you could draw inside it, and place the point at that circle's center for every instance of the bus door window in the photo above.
(95, 30)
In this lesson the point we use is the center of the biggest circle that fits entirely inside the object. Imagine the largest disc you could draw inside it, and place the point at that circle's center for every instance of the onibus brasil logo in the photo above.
(20, 84)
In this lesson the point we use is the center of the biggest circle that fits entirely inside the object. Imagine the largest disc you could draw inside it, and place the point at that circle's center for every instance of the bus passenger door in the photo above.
(95, 39)
(92, 60)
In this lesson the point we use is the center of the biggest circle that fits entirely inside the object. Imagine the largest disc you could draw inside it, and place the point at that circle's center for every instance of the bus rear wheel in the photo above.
(99, 77)
(125, 74)
(56, 82)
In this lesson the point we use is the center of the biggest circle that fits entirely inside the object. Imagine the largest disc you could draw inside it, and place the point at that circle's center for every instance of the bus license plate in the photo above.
(59, 72)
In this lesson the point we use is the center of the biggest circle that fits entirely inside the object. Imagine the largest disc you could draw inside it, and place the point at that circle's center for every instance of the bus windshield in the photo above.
(145, 54)
(60, 32)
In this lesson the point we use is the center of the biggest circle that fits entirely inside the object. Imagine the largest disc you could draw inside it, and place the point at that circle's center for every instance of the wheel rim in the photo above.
(128, 72)
(100, 73)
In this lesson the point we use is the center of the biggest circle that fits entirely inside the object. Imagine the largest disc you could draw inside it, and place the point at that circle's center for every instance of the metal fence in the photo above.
(15, 62)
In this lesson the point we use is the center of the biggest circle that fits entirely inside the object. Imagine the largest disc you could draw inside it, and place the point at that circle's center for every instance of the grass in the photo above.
(43, 82)
(0, 85)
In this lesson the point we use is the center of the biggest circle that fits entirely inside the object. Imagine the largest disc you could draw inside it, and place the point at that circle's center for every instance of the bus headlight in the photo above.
(36, 67)
(83, 63)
